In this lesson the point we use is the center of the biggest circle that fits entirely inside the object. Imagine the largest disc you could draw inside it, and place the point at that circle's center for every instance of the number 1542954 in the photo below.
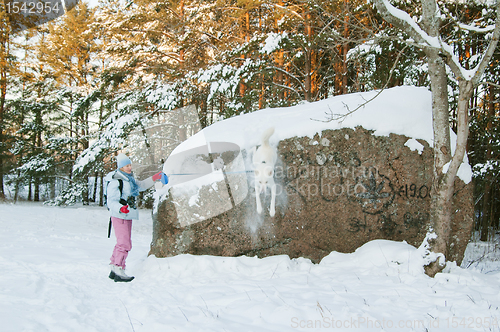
(33, 7)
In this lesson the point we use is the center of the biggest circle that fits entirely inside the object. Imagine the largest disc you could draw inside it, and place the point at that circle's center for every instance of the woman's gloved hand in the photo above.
(124, 209)
(161, 176)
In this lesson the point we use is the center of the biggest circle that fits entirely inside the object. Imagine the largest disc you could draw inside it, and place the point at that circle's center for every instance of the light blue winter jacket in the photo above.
(113, 194)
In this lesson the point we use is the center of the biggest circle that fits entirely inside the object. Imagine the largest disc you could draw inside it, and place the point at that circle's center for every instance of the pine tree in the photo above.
(66, 53)
(8, 72)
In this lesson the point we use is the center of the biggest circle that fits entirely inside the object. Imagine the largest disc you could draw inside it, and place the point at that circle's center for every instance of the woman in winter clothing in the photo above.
(122, 207)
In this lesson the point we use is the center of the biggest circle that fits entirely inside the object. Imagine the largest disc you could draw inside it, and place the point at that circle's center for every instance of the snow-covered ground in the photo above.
(54, 277)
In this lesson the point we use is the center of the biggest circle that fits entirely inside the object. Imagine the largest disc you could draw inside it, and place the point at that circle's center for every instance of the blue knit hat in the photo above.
(122, 160)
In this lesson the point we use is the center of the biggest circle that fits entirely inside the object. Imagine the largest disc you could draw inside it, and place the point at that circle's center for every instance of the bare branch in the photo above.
(287, 74)
(342, 117)
(289, 88)
(491, 83)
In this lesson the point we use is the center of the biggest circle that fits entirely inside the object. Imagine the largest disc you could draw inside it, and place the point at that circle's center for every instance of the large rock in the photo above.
(336, 192)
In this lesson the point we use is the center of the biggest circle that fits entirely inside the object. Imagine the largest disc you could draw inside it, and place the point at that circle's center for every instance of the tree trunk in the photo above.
(441, 191)
(440, 204)
(85, 193)
(495, 220)
(279, 60)
(307, 69)
(3, 92)
(37, 190)
(17, 185)
(94, 194)
(345, 48)
(53, 188)
(30, 190)
(101, 191)
(486, 213)
(486, 209)
(308, 59)
(444, 183)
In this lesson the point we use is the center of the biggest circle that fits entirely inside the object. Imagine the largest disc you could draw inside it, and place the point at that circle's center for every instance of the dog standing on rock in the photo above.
(264, 160)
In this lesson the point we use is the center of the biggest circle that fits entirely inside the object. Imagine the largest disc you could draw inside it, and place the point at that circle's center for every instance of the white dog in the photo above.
(264, 160)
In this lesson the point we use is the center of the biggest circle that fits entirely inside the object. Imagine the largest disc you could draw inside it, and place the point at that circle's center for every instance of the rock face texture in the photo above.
(335, 192)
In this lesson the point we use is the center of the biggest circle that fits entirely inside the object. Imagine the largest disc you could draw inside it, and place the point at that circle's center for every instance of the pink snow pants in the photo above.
(123, 232)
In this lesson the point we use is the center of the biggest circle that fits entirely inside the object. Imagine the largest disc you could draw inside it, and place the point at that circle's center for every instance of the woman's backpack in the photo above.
(120, 186)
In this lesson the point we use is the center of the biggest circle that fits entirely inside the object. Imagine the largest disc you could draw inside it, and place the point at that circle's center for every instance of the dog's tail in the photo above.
(267, 134)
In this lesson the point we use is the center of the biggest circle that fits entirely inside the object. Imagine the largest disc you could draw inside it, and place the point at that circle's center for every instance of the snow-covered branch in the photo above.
(472, 28)
(474, 74)
(490, 50)
(403, 20)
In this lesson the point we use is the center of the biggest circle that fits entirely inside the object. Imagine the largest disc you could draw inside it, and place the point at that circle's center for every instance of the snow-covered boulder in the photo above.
(341, 181)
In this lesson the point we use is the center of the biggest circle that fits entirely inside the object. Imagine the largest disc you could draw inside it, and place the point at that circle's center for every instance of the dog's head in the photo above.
(263, 175)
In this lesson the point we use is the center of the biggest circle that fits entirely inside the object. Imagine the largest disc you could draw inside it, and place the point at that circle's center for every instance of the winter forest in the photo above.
(75, 90)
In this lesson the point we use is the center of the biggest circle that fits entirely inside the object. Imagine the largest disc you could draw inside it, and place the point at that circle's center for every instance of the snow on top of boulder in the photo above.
(402, 110)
